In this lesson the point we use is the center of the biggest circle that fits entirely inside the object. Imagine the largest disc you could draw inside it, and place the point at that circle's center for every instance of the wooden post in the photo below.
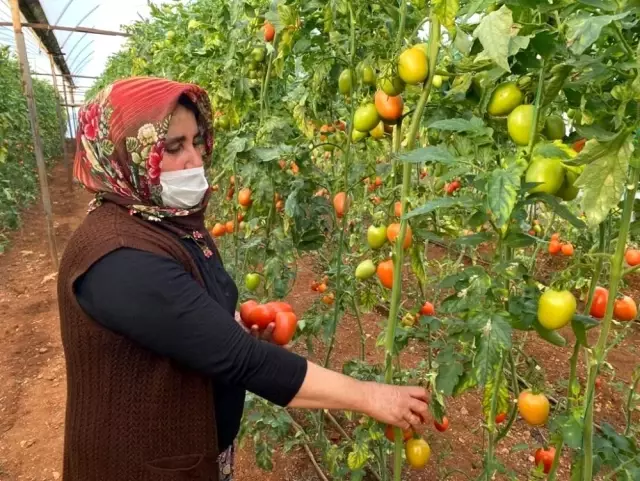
(73, 112)
(66, 101)
(33, 119)
(63, 137)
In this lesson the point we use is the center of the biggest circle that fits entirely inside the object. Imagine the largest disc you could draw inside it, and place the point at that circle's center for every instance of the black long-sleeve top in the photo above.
(153, 301)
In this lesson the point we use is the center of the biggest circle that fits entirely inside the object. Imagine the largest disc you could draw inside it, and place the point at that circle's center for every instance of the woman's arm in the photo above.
(401, 406)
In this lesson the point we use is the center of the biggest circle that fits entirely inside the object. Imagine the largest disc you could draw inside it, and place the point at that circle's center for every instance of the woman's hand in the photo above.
(401, 406)
(265, 335)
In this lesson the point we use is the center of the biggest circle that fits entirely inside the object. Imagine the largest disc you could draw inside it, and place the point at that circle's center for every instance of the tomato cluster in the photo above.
(278, 313)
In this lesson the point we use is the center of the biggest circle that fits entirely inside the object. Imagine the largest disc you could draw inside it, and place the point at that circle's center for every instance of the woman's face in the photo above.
(184, 146)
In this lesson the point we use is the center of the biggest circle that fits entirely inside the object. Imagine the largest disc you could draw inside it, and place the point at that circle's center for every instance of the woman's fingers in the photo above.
(419, 408)
(268, 332)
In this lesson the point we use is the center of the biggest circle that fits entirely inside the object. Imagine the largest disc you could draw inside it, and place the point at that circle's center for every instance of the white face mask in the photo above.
(183, 189)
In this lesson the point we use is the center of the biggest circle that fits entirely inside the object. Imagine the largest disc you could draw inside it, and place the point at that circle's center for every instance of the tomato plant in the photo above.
(367, 133)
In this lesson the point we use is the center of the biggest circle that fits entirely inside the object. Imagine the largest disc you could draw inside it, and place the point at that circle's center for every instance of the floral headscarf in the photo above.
(120, 145)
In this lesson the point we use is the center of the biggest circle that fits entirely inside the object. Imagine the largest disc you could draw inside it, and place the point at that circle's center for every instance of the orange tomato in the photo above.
(427, 309)
(244, 197)
(314, 285)
(322, 287)
(245, 310)
(280, 306)
(269, 32)
(397, 209)
(261, 315)
(229, 227)
(280, 205)
(328, 299)
(389, 108)
(282, 163)
(340, 203)
(378, 181)
(285, 328)
(632, 256)
(385, 273)
(567, 249)
(393, 231)
(389, 433)
(240, 216)
(294, 168)
(218, 230)
(625, 309)
(555, 237)
(554, 247)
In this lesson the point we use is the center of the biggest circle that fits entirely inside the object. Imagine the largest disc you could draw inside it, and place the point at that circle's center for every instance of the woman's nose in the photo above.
(194, 158)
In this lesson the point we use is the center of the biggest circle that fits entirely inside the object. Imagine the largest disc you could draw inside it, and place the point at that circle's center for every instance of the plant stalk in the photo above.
(629, 405)
(599, 351)
(344, 223)
(533, 132)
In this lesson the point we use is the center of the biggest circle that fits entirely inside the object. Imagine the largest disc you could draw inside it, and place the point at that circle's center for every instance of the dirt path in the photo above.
(32, 387)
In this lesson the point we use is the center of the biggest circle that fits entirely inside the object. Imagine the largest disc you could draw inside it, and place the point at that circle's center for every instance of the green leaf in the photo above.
(467, 381)
(446, 11)
(435, 153)
(518, 240)
(603, 180)
(557, 207)
(474, 240)
(583, 29)
(441, 203)
(553, 86)
(502, 191)
(469, 296)
(580, 325)
(499, 38)
(358, 457)
(551, 337)
(449, 371)
(606, 5)
(463, 43)
(495, 393)
(417, 262)
(475, 125)
(494, 338)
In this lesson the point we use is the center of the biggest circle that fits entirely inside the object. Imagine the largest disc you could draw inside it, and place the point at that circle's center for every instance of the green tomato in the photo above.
(258, 54)
(345, 82)
(365, 270)
(357, 136)
(368, 76)
(556, 309)
(537, 229)
(252, 281)
(193, 24)
(519, 124)
(170, 35)
(437, 81)
(376, 236)
(366, 118)
(504, 99)
(548, 171)
(390, 84)
(568, 191)
(554, 128)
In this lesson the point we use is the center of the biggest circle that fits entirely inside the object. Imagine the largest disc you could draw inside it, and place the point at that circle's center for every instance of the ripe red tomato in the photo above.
(393, 231)
(545, 457)
(427, 309)
(554, 247)
(388, 432)
(261, 316)
(579, 145)
(280, 306)
(245, 309)
(442, 427)
(625, 309)
(285, 328)
(500, 418)
(632, 256)
(599, 304)
(340, 203)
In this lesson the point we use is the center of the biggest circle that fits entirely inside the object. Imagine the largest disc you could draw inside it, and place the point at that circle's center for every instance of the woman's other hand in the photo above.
(401, 406)
(265, 335)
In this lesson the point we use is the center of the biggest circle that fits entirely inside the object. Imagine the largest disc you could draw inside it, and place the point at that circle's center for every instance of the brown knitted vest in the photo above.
(131, 415)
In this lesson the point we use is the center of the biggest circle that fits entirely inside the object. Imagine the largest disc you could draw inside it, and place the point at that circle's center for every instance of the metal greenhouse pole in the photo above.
(67, 162)
(33, 119)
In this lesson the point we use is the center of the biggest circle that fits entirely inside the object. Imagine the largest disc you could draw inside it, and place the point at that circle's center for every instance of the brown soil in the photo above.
(32, 374)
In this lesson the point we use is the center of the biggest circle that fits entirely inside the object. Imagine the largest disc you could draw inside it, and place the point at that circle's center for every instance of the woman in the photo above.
(157, 366)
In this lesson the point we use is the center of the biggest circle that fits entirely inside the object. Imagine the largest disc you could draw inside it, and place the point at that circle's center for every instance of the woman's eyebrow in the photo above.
(176, 140)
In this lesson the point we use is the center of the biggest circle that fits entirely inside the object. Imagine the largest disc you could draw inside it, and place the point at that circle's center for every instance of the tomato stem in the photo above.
(265, 83)
(344, 223)
(629, 405)
(533, 131)
(356, 310)
(599, 350)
